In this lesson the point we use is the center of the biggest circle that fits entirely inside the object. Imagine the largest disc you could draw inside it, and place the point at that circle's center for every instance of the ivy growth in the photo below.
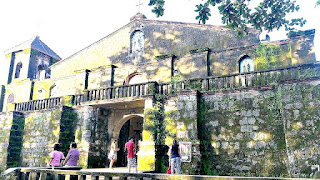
(156, 124)
(267, 56)
(67, 128)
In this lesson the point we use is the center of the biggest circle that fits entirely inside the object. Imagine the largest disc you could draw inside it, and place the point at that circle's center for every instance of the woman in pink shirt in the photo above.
(57, 155)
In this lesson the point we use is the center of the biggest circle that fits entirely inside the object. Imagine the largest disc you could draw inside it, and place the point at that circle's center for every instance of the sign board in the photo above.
(185, 151)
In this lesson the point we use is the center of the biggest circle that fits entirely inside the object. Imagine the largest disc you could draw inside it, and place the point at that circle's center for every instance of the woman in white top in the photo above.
(113, 153)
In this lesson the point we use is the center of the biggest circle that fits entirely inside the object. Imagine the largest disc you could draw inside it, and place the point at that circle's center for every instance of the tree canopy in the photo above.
(240, 14)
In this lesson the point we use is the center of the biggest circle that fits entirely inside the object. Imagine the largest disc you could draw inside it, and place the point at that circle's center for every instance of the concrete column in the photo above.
(146, 155)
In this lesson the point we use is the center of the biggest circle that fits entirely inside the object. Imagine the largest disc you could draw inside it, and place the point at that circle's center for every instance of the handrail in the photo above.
(38, 104)
(254, 79)
(272, 69)
(43, 174)
(242, 80)
(114, 92)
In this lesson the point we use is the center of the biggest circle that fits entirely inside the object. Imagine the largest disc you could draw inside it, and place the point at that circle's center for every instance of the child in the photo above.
(113, 153)
(57, 155)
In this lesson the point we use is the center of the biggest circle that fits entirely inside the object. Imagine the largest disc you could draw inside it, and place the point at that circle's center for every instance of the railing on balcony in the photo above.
(135, 90)
(77, 99)
(38, 104)
(242, 80)
(254, 79)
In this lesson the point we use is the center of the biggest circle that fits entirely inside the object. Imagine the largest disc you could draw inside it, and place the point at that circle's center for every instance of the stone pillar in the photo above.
(186, 129)
(83, 133)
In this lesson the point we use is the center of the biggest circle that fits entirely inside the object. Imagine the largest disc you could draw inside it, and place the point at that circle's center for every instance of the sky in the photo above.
(67, 26)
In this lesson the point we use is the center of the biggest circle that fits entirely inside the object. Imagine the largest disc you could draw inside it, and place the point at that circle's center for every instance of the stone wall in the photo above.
(301, 114)
(187, 128)
(69, 85)
(99, 139)
(270, 132)
(179, 38)
(5, 124)
(191, 66)
(161, 38)
(242, 132)
(302, 47)
(86, 115)
(227, 61)
(41, 132)
(267, 55)
(27, 138)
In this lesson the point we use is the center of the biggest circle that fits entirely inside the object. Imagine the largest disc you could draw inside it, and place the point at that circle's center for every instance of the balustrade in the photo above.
(243, 80)
(135, 90)
(38, 104)
(232, 81)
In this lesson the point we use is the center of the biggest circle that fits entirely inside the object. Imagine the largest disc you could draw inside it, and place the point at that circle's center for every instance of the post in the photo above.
(152, 88)
(67, 100)
(43, 176)
(67, 177)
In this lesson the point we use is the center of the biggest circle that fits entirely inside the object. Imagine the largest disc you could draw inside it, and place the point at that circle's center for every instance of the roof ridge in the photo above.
(20, 44)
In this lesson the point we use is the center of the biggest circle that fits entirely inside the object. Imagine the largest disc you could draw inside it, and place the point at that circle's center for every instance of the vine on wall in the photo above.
(67, 128)
(155, 123)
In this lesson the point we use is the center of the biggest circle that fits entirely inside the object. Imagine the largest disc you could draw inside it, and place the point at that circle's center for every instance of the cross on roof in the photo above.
(139, 6)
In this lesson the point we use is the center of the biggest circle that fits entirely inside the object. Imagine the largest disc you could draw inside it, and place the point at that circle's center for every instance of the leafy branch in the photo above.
(240, 14)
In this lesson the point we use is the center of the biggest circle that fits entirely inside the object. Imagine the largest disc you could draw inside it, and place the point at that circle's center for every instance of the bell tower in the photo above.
(27, 61)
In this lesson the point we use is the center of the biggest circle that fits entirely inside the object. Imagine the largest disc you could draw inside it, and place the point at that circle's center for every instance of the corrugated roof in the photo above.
(37, 44)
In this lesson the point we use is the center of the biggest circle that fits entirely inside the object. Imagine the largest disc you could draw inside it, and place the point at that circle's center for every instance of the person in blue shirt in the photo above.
(175, 157)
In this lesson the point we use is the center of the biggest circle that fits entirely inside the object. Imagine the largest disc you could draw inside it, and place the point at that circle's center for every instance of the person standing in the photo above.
(113, 153)
(73, 155)
(132, 161)
(175, 157)
(56, 156)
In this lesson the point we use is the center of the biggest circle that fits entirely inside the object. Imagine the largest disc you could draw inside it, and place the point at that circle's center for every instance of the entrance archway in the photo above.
(132, 127)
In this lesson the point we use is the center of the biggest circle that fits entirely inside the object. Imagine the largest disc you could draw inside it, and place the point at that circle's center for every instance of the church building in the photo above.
(225, 98)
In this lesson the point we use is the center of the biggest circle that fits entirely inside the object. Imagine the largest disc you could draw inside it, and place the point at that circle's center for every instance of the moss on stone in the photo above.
(272, 56)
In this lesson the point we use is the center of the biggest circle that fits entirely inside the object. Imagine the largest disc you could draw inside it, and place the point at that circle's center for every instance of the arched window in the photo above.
(41, 72)
(135, 78)
(53, 91)
(246, 64)
(18, 69)
(137, 42)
